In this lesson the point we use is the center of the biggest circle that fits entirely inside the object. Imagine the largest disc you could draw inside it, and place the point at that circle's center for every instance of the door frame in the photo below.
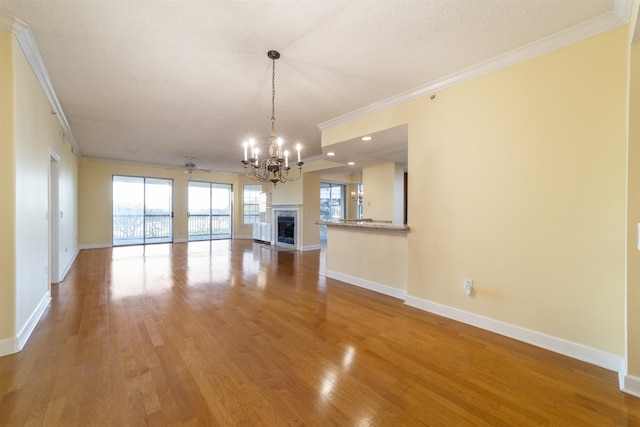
(54, 215)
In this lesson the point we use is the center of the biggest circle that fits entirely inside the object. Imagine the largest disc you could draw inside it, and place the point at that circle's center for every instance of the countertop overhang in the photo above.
(367, 225)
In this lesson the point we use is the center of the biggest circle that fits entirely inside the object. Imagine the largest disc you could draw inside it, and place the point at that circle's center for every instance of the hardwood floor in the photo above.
(232, 333)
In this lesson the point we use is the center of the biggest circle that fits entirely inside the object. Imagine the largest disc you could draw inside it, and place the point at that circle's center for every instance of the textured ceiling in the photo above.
(158, 81)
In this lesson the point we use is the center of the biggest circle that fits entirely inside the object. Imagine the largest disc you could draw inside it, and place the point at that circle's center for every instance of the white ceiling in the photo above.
(159, 81)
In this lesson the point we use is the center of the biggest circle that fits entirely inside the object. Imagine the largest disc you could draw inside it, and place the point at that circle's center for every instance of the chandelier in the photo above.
(275, 167)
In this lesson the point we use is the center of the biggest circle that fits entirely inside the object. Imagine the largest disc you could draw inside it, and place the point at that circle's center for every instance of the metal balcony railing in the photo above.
(132, 229)
(129, 229)
(203, 226)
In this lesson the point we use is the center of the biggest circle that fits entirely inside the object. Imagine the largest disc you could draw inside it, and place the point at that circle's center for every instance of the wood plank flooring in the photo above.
(232, 333)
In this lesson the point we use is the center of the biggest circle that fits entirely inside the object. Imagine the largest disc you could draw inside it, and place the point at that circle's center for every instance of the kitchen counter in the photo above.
(364, 224)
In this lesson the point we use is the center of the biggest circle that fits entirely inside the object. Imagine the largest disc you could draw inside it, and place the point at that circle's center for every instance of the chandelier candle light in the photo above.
(275, 167)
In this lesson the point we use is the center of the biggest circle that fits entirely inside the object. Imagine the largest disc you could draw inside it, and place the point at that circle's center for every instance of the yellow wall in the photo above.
(351, 201)
(633, 262)
(391, 118)
(7, 189)
(310, 210)
(289, 193)
(342, 178)
(29, 133)
(95, 206)
(383, 188)
(320, 165)
(37, 132)
(517, 181)
(376, 256)
(378, 187)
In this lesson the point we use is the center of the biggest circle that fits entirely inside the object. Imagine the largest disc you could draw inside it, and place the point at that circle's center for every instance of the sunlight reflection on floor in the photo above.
(144, 269)
(139, 270)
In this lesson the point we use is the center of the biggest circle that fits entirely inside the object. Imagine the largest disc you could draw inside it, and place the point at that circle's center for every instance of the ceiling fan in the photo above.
(190, 167)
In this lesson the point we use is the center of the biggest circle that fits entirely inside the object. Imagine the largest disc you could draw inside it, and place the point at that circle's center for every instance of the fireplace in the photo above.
(286, 232)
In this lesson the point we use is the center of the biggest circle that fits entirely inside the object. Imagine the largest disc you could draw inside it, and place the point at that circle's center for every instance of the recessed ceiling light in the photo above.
(366, 138)
(351, 163)
(331, 153)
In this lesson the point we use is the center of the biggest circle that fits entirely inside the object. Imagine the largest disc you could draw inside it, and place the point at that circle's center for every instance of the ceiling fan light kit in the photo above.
(275, 167)
(191, 167)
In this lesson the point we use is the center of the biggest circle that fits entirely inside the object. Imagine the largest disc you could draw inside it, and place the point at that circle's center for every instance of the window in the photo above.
(251, 203)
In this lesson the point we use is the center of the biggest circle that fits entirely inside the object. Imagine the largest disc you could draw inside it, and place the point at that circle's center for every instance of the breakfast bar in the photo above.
(368, 253)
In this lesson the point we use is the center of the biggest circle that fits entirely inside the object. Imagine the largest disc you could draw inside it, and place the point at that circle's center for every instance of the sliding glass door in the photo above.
(209, 210)
(331, 205)
(142, 210)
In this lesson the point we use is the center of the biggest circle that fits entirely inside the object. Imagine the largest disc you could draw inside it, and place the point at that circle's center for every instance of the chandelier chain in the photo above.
(273, 98)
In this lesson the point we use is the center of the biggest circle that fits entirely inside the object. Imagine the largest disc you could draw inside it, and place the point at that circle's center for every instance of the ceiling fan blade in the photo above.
(190, 166)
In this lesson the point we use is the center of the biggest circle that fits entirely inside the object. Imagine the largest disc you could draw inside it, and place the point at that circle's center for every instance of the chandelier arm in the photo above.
(282, 174)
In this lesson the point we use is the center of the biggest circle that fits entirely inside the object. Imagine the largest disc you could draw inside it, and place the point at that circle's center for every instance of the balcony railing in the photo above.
(209, 226)
(131, 229)
(135, 229)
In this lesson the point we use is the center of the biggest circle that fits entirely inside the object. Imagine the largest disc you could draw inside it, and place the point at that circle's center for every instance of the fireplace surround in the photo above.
(286, 226)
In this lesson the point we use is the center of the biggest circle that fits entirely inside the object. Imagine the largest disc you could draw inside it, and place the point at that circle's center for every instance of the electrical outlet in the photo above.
(468, 286)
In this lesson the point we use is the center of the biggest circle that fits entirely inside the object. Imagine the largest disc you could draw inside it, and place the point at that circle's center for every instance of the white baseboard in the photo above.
(95, 246)
(15, 344)
(581, 352)
(631, 384)
(368, 284)
(310, 248)
(8, 346)
(109, 245)
(67, 267)
(243, 237)
(28, 328)
(577, 351)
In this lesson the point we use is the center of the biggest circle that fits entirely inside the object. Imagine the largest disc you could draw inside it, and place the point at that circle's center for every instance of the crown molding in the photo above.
(27, 42)
(611, 20)
(11, 23)
(29, 46)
